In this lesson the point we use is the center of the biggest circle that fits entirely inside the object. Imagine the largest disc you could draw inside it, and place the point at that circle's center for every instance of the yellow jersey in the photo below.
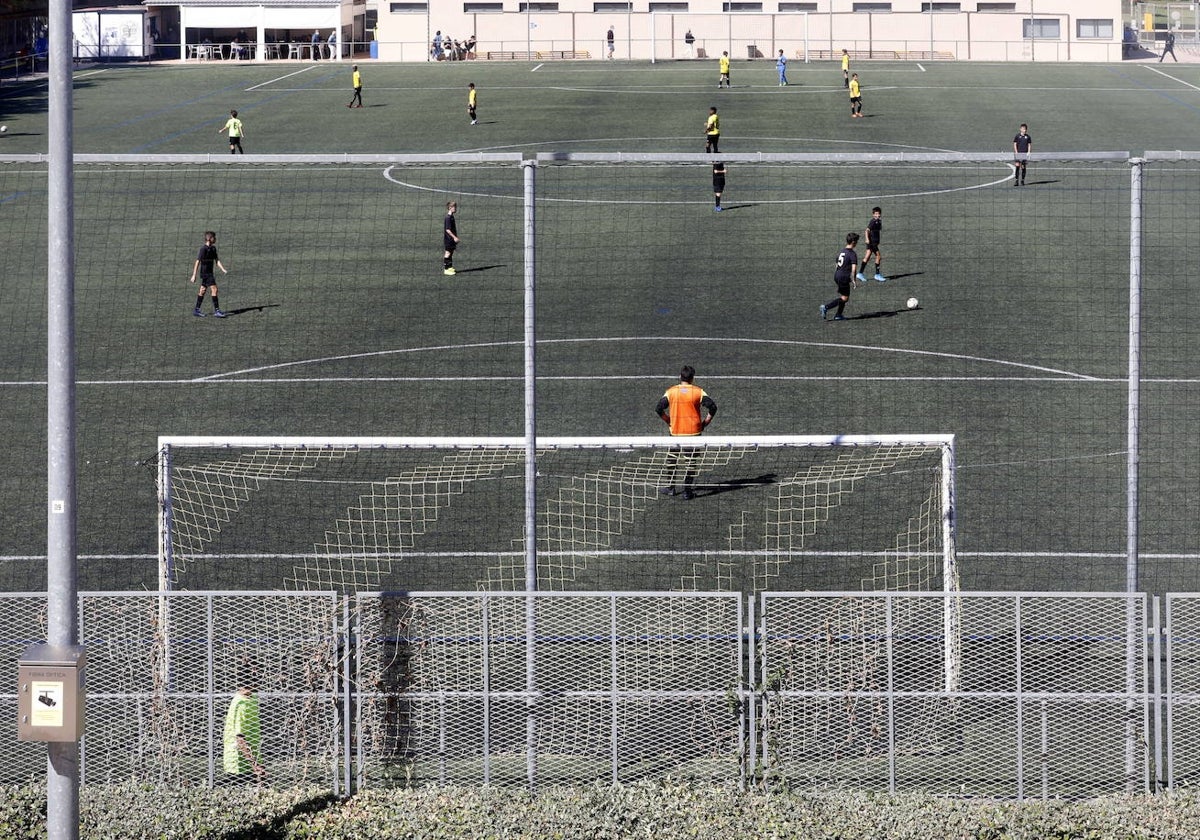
(713, 126)
(724, 65)
(845, 62)
(357, 79)
(854, 89)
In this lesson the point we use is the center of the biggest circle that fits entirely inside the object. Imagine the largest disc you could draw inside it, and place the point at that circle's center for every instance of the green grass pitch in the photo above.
(342, 322)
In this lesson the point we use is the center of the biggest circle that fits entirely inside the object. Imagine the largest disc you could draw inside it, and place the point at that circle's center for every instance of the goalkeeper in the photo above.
(688, 410)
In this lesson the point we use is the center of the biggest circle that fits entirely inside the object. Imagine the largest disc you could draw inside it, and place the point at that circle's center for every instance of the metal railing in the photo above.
(1013, 695)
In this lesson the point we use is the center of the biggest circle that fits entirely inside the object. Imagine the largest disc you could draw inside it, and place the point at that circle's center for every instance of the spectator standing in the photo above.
(1168, 47)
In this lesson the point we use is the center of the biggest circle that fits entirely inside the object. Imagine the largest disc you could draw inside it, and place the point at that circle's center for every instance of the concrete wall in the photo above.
(905, 32)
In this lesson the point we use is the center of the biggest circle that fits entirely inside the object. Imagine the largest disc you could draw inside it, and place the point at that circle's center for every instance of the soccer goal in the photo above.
(732, 513)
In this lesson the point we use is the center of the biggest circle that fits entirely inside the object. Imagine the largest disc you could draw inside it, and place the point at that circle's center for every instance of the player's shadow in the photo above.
(728, 207)
(892, 277)
(276, 823)
(229, 313)
(479, 268)
(1040, 183)
(879, 313)
(736, 484)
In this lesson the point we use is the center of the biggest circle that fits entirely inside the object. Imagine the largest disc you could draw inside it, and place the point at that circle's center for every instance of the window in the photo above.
(537, 7)
(872, 7)
(483, 8)
(797, 7)
(408, 8)
(668, 7)
(740, 7)
(1041, 29)
(941, 7)
(996, 7)
(1094, 28)
(612, 7)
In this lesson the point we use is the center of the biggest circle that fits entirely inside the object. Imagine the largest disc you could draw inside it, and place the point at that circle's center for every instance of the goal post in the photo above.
(749, 513)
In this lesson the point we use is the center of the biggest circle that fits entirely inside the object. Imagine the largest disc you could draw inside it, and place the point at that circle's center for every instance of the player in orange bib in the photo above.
(688, 410)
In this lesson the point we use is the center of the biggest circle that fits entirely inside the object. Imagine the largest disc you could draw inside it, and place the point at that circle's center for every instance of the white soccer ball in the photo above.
(3, 128)
(912, 303)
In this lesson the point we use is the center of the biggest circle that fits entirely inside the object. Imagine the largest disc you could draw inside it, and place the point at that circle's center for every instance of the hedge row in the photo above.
(644, 810)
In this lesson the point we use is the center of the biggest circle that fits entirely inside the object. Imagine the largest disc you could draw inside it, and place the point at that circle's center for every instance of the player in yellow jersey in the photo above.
(472, 101)
(855, 97)
(846, 67)
(712, 131)
(356, 81)
(688, 411)
(236, 132)
(723, 66)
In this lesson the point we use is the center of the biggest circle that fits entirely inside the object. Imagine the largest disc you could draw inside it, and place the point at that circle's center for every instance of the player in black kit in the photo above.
(843, 274)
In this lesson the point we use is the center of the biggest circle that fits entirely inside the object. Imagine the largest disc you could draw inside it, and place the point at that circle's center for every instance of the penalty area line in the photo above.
(537, 68)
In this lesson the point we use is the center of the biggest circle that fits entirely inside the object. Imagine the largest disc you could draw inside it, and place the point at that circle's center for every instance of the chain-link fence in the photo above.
(1002, 695)
(161, 671)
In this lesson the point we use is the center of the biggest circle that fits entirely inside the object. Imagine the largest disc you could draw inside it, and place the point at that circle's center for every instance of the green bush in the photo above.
(664, 809)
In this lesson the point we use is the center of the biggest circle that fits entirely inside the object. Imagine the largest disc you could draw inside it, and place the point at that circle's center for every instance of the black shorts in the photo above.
(718, 183)
(236, 141)
(205, 282)
(449, 244)
(843, 286)
(872, 247)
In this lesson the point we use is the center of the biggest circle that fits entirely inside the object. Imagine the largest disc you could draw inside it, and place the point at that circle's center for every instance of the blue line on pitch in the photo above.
(1169, 97)
(220, 120)
(5, 199)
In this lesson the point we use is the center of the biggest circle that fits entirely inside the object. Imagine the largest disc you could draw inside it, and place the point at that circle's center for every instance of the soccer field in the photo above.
(342, 323)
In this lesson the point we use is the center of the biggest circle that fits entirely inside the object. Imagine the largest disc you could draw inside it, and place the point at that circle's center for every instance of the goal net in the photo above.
(731, 513)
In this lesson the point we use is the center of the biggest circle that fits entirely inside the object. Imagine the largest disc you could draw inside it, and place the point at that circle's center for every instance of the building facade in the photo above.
(972, 30)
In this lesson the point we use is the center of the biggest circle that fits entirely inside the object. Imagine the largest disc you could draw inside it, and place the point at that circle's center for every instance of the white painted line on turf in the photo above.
(1172, 78)
(537, 68)
(920, 67)
(281, 78)
(874, 348)
(84, 75)
(387, 173)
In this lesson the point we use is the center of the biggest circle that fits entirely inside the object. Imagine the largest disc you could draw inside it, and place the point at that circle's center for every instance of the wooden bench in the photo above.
(880, 55)
(536, 55)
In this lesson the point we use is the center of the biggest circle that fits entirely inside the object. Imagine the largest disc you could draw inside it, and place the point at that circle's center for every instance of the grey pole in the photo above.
(1133, 385)
(1135, 622)
(62, 765)
(531, 581)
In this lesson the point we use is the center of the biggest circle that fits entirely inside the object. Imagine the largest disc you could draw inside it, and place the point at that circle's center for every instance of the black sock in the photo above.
(199, 301)
(216, 303)
(841, 306)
